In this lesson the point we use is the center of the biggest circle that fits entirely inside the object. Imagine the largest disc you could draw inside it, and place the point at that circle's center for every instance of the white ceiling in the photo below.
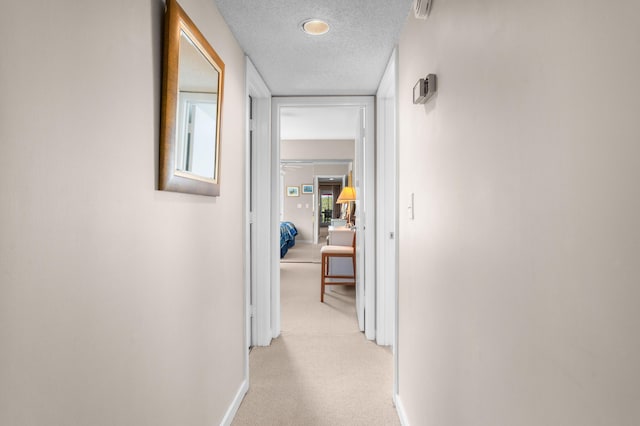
(321, 123)
(348, 60)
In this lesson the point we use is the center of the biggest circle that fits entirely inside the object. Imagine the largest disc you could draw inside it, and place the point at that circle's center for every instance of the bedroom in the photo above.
(317, 152)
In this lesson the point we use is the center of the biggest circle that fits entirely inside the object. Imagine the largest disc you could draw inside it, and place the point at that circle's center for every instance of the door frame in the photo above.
(255, 88)
(316, 202)
(257, 264)
(364, 177)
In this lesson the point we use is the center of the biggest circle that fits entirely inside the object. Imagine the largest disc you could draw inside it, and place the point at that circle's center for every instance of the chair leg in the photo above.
(322, 279)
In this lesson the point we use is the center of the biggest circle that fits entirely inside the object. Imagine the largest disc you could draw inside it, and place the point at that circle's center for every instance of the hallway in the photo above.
(517, 217)
(321, 371)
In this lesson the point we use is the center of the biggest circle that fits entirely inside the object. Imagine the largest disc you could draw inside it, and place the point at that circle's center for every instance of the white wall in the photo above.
(299, 210)
(119, 304)
(519, 277)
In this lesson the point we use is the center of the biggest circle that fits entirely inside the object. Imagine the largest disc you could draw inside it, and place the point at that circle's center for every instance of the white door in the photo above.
(365, 222)
(251, 199)
(257, 206)
(357, 177)
(386, 200)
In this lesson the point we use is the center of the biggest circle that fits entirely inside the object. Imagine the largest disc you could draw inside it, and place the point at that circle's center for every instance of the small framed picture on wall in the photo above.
(307, 189)
(293, 191)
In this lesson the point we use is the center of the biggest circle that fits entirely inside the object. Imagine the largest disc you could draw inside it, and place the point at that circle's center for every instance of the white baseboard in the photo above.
(235, 404)
(400, 409)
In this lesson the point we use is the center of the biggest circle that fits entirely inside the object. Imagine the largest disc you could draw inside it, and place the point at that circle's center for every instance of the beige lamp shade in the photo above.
(348, 194)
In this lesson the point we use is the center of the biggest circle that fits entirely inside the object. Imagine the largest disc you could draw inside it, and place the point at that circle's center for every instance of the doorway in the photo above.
(327, 207)
(362, 109)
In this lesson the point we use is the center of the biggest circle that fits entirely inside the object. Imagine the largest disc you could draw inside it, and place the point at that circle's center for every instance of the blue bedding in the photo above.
(288, 234)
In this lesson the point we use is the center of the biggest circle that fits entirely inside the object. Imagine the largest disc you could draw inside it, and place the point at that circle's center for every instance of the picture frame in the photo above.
(307, 188)
(293, 191)
(189, 163)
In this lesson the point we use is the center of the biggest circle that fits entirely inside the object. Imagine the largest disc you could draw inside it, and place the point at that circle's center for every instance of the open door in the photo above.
(387, 205)
(365, 214)
(357, 177)
(257, 203)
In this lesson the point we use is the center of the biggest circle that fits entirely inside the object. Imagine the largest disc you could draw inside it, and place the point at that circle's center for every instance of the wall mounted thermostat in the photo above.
(424, 89)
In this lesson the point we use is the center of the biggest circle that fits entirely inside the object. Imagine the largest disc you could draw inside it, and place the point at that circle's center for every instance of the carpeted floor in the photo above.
(303, 253)
(321, 370)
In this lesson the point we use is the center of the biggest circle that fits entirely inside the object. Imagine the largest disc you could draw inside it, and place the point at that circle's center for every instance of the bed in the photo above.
(288, 234)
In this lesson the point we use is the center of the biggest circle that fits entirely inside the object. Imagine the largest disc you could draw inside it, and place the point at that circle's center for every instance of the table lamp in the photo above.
(347, 195)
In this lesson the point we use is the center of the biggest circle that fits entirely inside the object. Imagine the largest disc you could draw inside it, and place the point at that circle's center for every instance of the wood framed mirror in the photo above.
(192, 93)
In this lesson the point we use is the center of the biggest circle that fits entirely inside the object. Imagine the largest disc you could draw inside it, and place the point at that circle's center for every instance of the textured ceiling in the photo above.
(348, 60)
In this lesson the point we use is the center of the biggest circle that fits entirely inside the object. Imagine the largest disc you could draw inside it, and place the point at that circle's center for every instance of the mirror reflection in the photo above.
(192, 97)
(196, 131)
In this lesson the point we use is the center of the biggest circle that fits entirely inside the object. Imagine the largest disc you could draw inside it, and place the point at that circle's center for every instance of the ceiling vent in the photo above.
(421, 8)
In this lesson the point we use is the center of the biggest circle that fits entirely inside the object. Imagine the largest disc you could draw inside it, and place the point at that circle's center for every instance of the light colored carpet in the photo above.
(303, 253)
(321, 370)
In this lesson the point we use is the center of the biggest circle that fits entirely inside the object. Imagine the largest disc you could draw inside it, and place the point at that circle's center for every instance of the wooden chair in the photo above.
(333, 251)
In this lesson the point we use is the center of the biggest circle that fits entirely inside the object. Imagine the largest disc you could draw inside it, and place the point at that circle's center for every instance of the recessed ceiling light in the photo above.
(315, 27)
